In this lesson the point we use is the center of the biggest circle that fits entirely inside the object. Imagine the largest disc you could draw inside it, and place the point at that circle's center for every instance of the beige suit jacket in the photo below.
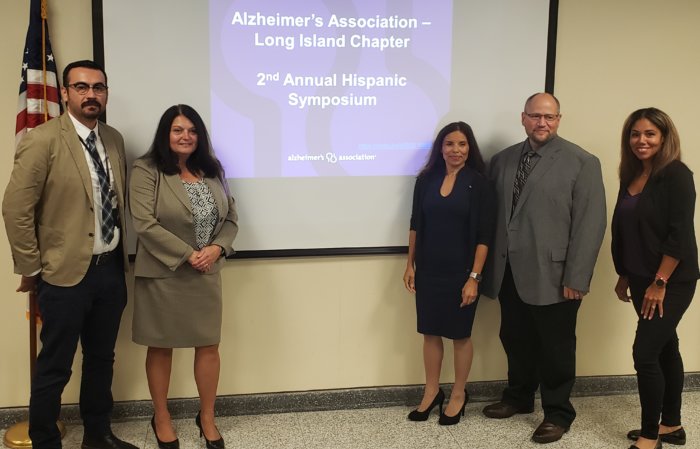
(162, 215)
(48, 203)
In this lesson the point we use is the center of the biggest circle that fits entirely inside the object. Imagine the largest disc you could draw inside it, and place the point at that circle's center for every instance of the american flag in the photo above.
(39, 89)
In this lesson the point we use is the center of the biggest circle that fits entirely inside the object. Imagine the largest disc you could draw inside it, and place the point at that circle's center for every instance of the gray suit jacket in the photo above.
(162, 215)
(553, 237)
(48, 205)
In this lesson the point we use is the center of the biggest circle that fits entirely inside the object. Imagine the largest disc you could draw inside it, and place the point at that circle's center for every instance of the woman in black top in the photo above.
(656, 258)
(451, 227)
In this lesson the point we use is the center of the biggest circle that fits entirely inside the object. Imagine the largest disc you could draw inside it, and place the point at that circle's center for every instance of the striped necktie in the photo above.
(521, 176)
(107, 218)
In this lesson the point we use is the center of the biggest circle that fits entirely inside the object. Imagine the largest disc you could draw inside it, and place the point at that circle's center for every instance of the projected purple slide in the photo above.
(304, 88)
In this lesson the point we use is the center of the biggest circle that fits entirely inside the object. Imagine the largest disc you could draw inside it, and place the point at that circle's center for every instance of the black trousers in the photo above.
(89, 311)
(657, 359)
(540, 343)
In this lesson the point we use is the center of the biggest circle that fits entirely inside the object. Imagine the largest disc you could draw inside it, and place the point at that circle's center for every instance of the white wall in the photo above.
(613, 58)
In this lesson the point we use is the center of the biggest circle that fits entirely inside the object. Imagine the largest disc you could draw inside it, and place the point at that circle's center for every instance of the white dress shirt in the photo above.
(83, 132)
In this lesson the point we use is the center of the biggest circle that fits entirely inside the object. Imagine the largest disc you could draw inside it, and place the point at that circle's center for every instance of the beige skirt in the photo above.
(177, 312)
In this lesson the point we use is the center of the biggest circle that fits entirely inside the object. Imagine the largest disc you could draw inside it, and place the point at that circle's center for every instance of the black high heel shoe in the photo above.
(452, 420)
(175, 444)
(415, 415)
(211, 444)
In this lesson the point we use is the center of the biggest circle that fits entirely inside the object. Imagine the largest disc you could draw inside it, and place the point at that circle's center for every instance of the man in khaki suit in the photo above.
(63, 211)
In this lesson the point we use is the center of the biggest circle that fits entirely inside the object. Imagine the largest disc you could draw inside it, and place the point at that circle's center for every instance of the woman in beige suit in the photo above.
(186, 222)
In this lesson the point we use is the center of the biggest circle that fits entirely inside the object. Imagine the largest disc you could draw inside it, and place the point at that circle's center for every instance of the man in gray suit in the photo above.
(549, 228)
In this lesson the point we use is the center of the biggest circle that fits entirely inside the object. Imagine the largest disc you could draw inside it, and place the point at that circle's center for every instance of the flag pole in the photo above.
(17, 436)
(44, 16)
(33, 311)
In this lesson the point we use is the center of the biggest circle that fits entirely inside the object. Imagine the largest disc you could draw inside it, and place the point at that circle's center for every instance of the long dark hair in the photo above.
(202, 161)
(630, 165)
(435, 162)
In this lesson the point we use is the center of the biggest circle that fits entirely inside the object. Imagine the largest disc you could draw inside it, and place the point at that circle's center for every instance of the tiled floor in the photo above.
(602, 423)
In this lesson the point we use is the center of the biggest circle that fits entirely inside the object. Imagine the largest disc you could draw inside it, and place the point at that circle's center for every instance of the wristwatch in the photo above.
(475, 276)
(660, 281)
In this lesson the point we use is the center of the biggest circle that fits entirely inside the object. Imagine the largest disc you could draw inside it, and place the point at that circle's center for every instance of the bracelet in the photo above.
(658, 276)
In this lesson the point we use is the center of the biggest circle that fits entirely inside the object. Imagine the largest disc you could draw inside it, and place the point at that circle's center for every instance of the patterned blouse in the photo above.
(204, 211)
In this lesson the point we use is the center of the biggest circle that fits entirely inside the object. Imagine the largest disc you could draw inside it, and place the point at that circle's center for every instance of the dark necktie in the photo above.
(107, 221)
(521, 176)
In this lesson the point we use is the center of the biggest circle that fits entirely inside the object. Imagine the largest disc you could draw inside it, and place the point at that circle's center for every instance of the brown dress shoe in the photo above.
(501, 410)
(548, 432)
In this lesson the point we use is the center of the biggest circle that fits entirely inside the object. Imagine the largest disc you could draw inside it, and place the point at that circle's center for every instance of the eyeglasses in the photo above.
(549, 118)
(83, 88)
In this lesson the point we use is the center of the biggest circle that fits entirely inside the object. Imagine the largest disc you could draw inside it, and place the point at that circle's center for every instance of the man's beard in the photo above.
(91, 113)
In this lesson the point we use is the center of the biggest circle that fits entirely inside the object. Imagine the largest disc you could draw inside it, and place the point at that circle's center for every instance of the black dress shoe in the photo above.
(210, 444)
(501, 410)
(108, 441)
(675, 437)
(175, 444)
(548, 432)
(658, 445)
(452, 420)
(438, 400)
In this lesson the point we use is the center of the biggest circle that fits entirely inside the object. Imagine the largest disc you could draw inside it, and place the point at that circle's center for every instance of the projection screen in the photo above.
(322, 112)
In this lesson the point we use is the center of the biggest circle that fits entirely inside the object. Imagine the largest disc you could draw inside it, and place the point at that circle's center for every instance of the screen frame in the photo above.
(99, 57)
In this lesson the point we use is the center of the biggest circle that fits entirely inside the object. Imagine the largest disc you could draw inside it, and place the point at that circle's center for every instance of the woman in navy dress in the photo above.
(451, 228)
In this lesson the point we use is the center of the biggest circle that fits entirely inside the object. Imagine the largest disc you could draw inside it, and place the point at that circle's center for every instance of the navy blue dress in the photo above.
(447, 232)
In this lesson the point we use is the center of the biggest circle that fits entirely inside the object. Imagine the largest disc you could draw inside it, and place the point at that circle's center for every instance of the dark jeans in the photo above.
(657, 359)
(540, 343)
(89, 311)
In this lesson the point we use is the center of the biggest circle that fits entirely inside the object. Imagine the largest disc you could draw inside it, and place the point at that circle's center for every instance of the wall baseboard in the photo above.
(318, 400)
